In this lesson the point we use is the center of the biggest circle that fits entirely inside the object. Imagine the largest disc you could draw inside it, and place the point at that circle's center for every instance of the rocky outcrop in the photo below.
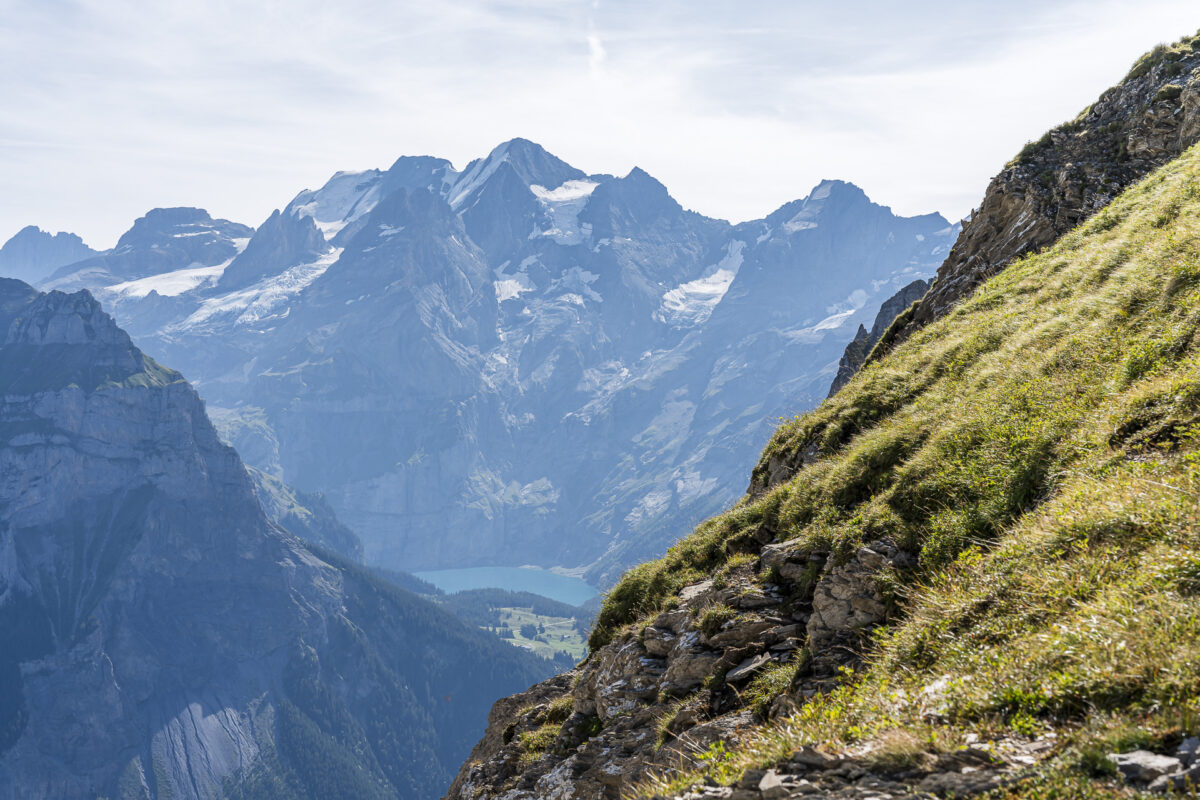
(1068, 175)
(1156, 772)
(858, 349)
(730, 653)
(159, 637)
(733, 651)
(306, 516)
(283, 241)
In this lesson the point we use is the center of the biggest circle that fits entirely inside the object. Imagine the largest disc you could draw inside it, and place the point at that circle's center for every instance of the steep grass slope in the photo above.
(990, 535)
(1038, 449)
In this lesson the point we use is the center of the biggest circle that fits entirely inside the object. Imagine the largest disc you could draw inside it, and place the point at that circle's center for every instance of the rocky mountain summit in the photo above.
(165, 241)
(1066, 176)
(159, 637)
(32, 254)
(417, 343)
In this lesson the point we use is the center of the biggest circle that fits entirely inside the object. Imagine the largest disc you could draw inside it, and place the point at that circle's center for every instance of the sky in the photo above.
(111, 107)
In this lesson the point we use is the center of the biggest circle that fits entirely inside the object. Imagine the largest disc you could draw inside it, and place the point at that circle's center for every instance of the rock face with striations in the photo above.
(159, 637)
(1071, 173)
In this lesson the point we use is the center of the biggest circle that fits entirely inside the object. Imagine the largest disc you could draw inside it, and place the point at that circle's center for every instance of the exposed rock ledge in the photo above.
(669, 688)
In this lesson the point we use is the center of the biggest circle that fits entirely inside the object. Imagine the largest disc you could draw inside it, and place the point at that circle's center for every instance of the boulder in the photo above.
(847, 597)
(1142, 766)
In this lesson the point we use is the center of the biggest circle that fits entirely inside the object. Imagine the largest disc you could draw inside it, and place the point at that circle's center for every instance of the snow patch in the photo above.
(510, 289)
(692, 303)
(264, 300)
(175, 283)
(342, 200)
(475, 177)
(168, 284)
(562, 207)
(815, 333)
(649, 506)
(510, 286)
(578, 285)
(692, 486)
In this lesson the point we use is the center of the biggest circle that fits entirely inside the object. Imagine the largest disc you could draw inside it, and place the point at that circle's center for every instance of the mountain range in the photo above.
(515, 363)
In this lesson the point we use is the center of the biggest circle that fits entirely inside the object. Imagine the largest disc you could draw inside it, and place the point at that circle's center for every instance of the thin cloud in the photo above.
(596, 54)
(115, 106)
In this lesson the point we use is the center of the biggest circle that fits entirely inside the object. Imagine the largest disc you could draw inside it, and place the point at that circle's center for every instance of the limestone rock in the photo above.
(747, 668)
(1142, 766)
(847, 598)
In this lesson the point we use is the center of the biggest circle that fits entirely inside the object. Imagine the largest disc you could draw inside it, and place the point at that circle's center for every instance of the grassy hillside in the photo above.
(1039, 449)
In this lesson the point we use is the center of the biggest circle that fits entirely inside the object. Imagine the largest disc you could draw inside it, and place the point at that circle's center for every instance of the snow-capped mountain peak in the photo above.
(418, 343)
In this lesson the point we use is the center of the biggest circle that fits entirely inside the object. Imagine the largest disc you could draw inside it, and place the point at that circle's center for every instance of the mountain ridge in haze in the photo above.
(424, 355)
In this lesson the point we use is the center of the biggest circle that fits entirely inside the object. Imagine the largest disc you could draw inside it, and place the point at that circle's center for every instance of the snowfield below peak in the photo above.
(562, 206)
(346, 197)
(264, 300)
(171, 284)
(692, 303)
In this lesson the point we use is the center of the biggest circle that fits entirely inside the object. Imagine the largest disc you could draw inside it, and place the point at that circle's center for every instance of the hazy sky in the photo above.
(111, 107)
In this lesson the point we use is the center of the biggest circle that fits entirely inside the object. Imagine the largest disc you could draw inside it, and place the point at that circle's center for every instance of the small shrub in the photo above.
(1169, 93)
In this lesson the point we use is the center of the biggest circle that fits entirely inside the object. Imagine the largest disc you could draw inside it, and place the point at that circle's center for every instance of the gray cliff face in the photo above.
(32, 253)
(159, 637)
(858, 349)
(542, 366)
(1072, 172)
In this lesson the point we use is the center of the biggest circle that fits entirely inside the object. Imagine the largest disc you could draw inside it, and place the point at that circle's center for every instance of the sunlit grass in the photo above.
(1038, 449)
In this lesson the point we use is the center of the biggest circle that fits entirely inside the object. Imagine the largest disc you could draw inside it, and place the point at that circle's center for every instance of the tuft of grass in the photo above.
(1163, 54)
(725, 573)
(1169, 92)
(901, 749)
(560, 708)
(713, 617)
(771, 683)
(536, 743)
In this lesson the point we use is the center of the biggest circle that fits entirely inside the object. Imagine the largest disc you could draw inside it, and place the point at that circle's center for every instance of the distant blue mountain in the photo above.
(32, 254)
(518, 363)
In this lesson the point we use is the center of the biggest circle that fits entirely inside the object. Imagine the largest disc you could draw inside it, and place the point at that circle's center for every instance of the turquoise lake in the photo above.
(515, 579)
